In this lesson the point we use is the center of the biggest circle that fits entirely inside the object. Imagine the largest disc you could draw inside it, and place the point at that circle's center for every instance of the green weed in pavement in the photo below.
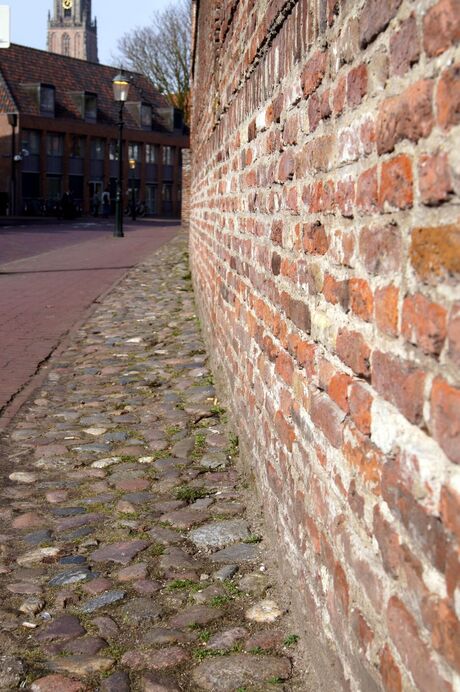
(188, 494)
(291, 639)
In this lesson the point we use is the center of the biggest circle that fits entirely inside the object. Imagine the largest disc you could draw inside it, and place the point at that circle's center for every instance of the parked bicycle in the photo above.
(140, 209)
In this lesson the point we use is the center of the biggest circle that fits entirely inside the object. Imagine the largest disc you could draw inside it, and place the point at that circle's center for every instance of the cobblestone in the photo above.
(125, 541)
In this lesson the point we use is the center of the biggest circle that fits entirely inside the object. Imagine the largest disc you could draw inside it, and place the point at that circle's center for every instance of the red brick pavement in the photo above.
(44, 295)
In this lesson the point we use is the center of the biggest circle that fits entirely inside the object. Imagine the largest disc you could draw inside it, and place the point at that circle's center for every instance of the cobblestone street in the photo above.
(128, 561)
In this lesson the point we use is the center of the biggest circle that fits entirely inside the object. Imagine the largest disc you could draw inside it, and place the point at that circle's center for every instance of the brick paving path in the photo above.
(128, 560)
(42, 296)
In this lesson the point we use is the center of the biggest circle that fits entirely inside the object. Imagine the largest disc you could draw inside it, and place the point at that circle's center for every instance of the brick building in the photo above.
(67, 125)
(325, 246)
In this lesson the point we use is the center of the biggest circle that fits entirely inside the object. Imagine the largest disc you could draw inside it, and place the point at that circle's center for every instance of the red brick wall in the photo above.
(186, 189)
(325, 246)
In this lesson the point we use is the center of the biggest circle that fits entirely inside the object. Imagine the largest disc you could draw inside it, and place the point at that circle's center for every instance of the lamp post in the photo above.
(132, 165)
(13, 121)
(120, 94)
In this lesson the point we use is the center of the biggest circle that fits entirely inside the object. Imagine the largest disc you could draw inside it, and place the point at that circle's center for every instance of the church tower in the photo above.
(71, 30)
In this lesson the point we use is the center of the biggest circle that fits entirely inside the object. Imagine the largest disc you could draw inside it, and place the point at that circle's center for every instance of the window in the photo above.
(46, 100)
(68, 12)
(168, 156)
(167, 192)
(150, 153)
(31, 141)
(54, 145)
(146, 116)
(53, 187)
(113, 150)
(90, 107)
(65, 44)
(134, 151)
(77, 147)
(97, 149)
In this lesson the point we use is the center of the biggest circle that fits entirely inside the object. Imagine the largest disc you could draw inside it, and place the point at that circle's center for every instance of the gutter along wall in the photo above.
(325, 247)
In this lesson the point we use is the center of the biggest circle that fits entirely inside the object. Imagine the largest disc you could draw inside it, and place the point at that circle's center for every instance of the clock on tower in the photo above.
(72, 31)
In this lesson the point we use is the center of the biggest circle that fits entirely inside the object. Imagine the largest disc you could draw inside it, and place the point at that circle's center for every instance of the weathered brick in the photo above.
(361, 629)
(404, 47)
(391, 675)
(338, 389)
(356, 85)
(375, 17)
(453, 334)
(399, 382)
(386, 309)
(353, 351)
(360, 403)
(313, 73)
(286, 167)
(339, 96)
(434, 178)
(441, 26)
(341, 587)
(291, 129)
(277, 233)
(380, 248)
(396, 183)
(276, 263)
(315, 156)
(336, 292)
(284, 367)
(367, 195)
(399, 491)
(424, 323)
(328, 417)
(389, 541)
(361, 298)
(364, 457)
(285, 430)
(315, 240)
(407, 116)
(365, 571)
(299, 312)
(448, 97)
(345, 196)
(449, 508)
(445, 629)
(412, 649)
(445, 417)
(435, 252)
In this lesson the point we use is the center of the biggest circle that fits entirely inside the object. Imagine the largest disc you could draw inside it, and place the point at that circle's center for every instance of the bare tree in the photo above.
(161, 51)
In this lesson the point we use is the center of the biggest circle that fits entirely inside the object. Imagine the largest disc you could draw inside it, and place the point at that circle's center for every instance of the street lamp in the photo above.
(120, 94)
(13, 121)
(132, 165)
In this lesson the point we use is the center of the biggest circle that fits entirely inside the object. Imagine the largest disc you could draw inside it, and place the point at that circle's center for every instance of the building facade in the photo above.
(325, 249)
(59, 133)
(72, 31)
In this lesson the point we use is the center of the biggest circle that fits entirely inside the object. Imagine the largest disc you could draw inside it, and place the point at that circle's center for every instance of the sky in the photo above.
(114, 18)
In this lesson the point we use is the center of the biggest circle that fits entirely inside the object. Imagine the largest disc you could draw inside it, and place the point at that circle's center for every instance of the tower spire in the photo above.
(71, 30)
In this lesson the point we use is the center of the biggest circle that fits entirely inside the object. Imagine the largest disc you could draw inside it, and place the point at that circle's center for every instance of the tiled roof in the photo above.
(20, 65)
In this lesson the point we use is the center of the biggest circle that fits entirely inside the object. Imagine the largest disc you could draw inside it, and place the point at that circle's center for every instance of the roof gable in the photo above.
(21, 66)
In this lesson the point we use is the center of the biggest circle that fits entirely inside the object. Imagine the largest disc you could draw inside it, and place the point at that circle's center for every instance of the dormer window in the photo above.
(90, 113)
(146, 116)
(141, 113)
(47, 100)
